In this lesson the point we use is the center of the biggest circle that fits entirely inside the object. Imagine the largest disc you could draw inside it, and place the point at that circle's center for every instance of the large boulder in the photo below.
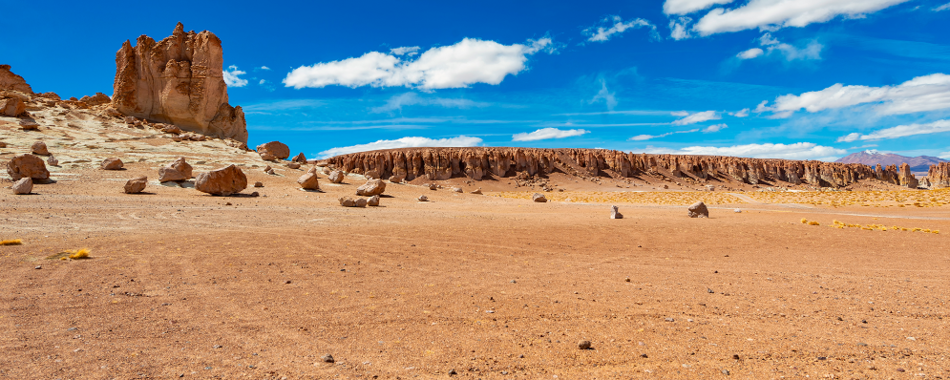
(112, 163)
(275, 149)
(12, 106)
(23, 186)
(225, 181)
(300, 159)
(136, 185)
(371, 188)
(27, 166)
(178, 80)
(178, 170)
(309, 181)
(95, 100)
(39, 148)
(336, 177)
(698, 210)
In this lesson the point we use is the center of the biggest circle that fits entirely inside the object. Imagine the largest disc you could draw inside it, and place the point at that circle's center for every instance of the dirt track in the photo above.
(183, 284)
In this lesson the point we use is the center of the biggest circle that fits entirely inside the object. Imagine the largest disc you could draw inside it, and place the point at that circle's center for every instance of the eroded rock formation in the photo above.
(477, 163)
(939, 175)
(12, 82)
(178, 80)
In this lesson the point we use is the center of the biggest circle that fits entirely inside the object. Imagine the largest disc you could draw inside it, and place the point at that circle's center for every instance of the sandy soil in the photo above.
(181, 284)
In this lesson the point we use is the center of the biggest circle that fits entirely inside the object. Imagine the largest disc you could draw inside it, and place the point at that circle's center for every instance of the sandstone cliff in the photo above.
(12, 82)
(178, 80)
(939, 175)
(477, 163)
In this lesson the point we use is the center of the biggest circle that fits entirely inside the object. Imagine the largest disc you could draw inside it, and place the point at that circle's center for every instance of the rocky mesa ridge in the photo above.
(480, 162)
(178, 80)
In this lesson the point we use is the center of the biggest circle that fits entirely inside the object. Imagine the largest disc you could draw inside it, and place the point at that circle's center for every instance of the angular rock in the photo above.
(336, 176)
(698, 210)
(95, 100)
(12, 107)
(539, 198)
(615, 213)
(136, 185)
(477, 191)
(29, 125)
(225, 181)
(23, 186)
(52, 161)
(458, 190)
(27, 166)
(371, 187)
(178, 80)
(12, 82)
(276, 149)
(3, 144)
(300, 159)
(309, 181)
(39, 148)
(350, 202)
(178, 170)
(373, 201)
(112, 163)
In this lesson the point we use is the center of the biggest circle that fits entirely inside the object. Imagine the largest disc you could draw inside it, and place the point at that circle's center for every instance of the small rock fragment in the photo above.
(584, 344)
(39, 148)
(615, 213)
(458, 190)
(52, 161)
(258, 184)
(328, 358)
(539, 198)
(373, 201)
(477, 191)
(423, 198)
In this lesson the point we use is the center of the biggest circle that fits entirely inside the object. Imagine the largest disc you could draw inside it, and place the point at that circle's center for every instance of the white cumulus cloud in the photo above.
(682, 7)
(751, 53)
(715, 128)
(465, 63)
(602, 34)
(405, 142)
(942, 7)
(741, 113)
(926, 93)
(406, 50)
(899, 131)
(547, 134)
(265, 68)
(789, 52)
(694, 118)
(232, 77)
(679, 28)
(775, 14)
(650, 137)
(795, 151)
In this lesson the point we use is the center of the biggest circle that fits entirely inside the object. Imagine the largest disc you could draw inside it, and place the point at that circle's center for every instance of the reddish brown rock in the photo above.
(136, 185)
(698, 210)
(350, 202)
(27, 166)
(480, 162)
(906, 178)
(615, 213)
(12, 106)
(178, 80)
(293, 165)
(300, 159)
(225, 181)
(373, 201)
(275, 149)
(12, 82)
(309, 181)
(336, 176)
(29, 125)
(371, 187)
(95, 100)
(939, 175)
(112, 164)
(179, 170)
(23, 186)
(39, 148)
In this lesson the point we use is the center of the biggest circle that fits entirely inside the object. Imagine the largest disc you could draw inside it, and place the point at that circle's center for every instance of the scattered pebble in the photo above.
(584, 344)
(327, 358)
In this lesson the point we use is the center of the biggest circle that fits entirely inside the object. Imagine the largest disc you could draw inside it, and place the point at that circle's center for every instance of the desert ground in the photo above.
(181, 284)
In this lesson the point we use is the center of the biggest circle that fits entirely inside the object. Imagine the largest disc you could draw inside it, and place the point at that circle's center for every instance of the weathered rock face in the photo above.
(178, 80)
(371, 188)
(698, 210)
(939, 175)
(906, 178)
(27, 166)
(112, 164)
(273, 150)
(23, 186)
(12, 106)
(136, 185)
(12, 82)
(225, 181)
(479, 162)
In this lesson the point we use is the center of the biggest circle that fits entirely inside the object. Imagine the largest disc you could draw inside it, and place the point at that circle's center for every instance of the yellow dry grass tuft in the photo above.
(80, 254)
(813, 223)
(804, 221)
(12, 242)
(683, 198)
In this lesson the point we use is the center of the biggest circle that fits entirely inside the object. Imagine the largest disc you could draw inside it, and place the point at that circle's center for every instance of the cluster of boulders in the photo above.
(359, 202)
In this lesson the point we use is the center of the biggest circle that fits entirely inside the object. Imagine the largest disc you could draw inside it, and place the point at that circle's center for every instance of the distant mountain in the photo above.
(873, 157)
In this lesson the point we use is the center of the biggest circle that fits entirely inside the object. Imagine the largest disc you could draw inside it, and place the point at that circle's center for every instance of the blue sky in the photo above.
(801, 79)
